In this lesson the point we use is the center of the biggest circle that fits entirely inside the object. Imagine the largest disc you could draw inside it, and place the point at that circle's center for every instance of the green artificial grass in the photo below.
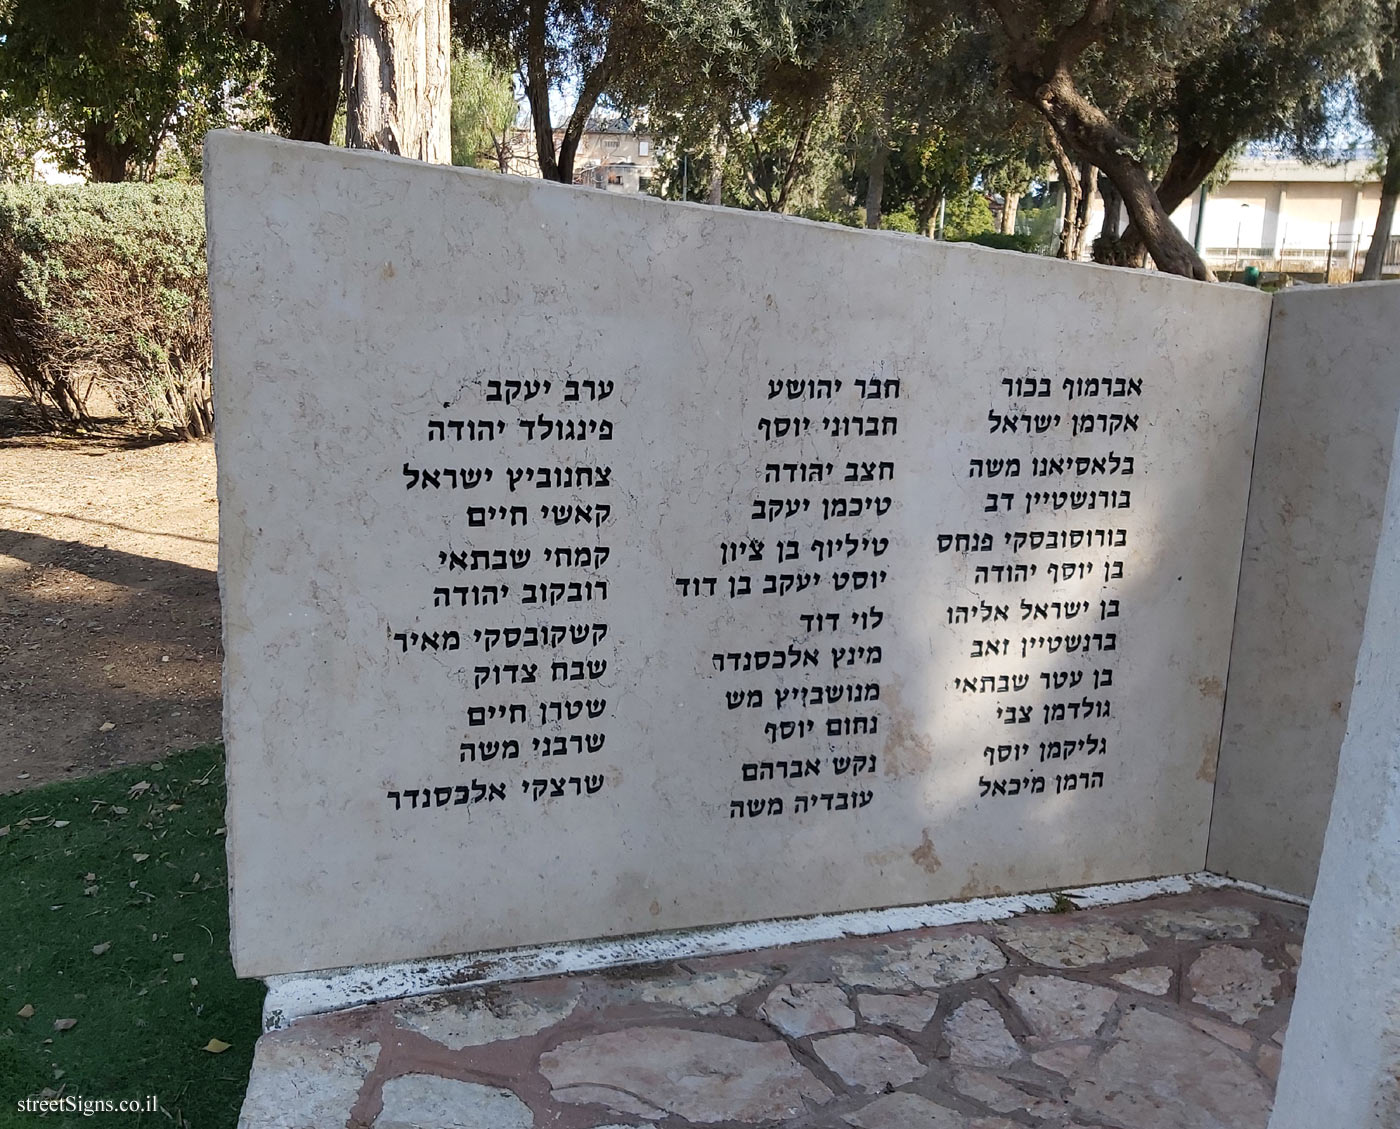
(133, 860)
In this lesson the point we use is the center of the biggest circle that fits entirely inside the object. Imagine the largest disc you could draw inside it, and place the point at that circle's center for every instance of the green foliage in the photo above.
(1158, 92)
(1379, 83)
(1010, 172)
(133, 859)
(770, 92)
(1379, 97)
(118, 78)
(846, 217)
(106, 284)
(996, 239)
(782, 157)
(925, 169)
(589, 47)
(1040, 226)
(902, 220)
(337, 137)
(1267, 73)
(967, 214)
(483, 111)
(300, 78)
(22, 136)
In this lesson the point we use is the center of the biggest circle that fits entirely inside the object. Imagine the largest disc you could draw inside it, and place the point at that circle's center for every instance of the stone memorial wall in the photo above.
(594, 566)
(1326, 428)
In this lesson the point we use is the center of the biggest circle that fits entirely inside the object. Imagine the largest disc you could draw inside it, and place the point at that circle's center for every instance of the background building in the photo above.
(1286, 215)
(614, 156)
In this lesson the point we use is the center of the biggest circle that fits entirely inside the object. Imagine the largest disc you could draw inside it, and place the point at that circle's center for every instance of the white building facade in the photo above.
(1286, 215)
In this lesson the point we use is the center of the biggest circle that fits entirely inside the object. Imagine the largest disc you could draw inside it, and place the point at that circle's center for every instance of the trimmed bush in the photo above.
(104, 285)
(1000, 242)
(903, 220)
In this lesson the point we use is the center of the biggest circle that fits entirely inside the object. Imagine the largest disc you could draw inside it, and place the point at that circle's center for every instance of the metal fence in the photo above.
(1340, 260)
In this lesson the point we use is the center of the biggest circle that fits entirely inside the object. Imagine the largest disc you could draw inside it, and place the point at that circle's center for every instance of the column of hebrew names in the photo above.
(817, 551)
(519, 596)
(1040, 629)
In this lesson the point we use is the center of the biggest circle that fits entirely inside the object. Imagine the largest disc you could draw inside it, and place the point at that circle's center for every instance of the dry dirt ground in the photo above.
(109, 603)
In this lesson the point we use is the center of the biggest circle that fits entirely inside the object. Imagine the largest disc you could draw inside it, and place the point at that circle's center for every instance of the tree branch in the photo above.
(594, 83)
(253, 25)
(762, 195)
(1069, 185)
(1020, 37)
(1074, 39)
(799, 151)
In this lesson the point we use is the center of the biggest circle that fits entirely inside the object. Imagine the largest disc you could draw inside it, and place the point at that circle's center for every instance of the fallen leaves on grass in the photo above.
(139, 788)
(141, 1005)
(216, 1046)
(64, 1024)
(99, 950)
(26, 1011)
(139, 858)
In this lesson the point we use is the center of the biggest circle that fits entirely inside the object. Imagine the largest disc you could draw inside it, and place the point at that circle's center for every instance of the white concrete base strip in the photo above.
(1222, 882)
(294, 996)
(1115, 893)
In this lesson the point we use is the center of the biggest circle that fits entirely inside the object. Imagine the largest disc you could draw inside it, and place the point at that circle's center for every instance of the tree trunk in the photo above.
(926, 214)
(311, 114)
(1112, 210)
(1070, 189)
(536, 80)
(1086, 130)
(594, 83)
(1011, 203)
(875, 184)
(397, 77)
(107, 160)
(1088, 182)
(557, 164)
(568, 153)
(305, 76)
(1108, 247)
(1385, 218)
(1190, 164)
(718, 152)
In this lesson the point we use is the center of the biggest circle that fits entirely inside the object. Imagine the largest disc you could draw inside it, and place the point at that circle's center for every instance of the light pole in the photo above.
(1239, 227)
(1200, 219)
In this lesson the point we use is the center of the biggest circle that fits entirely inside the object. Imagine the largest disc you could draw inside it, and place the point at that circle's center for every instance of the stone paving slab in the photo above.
(1163, 1014)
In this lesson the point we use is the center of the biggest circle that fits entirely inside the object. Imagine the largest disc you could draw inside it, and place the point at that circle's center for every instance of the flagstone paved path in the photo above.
(1163, 1014)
